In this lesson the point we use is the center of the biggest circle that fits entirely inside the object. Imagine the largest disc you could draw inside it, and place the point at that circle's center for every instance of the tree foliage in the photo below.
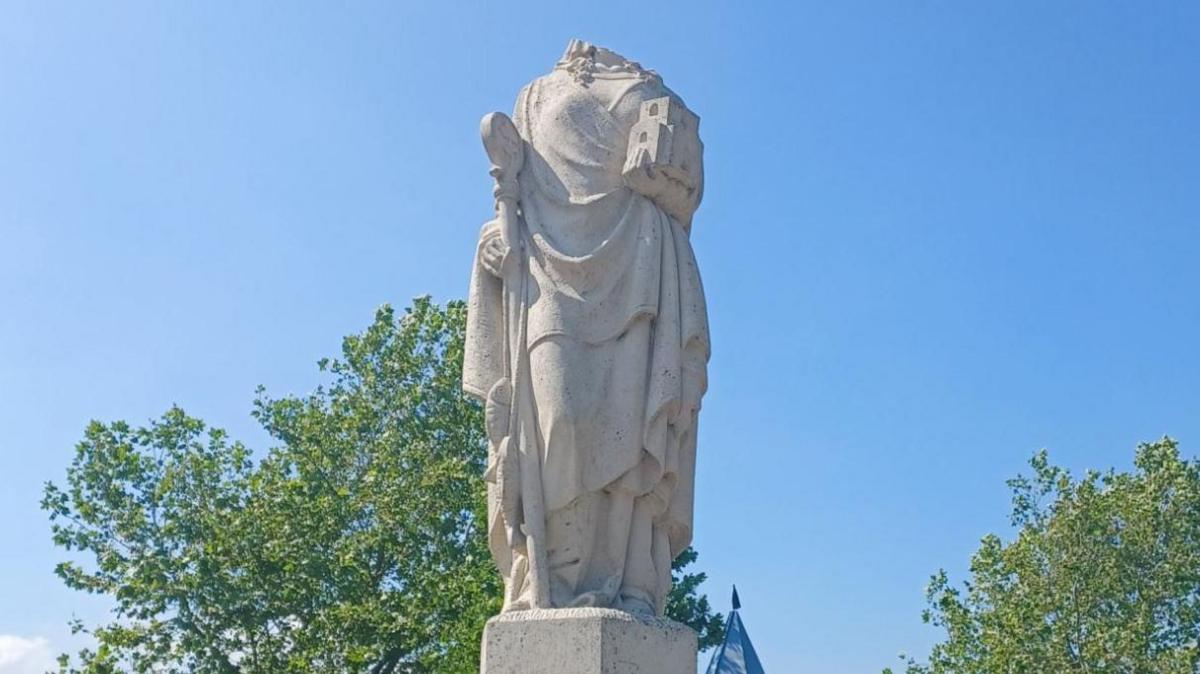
(1103, 576)
(688, 606)
(355, 544)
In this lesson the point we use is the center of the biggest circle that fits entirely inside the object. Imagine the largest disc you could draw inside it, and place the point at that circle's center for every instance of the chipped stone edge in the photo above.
(588, 613)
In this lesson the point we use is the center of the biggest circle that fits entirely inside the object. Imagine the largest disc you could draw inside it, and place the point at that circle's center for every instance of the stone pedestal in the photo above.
(586, 641)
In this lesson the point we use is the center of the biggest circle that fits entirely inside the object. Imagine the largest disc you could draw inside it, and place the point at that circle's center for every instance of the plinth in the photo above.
(586, 641)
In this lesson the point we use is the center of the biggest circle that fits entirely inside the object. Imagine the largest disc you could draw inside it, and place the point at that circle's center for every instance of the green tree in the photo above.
(686, 605)
(353, 545)
(1103, 576)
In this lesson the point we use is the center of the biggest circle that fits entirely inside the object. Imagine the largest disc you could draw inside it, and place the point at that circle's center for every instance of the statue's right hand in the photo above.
(493, 252)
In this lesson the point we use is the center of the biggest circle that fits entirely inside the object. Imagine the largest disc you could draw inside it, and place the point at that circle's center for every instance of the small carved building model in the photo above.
(669, 133)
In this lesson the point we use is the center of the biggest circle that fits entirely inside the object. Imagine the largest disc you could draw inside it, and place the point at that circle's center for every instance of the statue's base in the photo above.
(586, 641)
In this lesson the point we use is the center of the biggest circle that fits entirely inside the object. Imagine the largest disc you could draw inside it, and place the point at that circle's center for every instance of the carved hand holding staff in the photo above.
(518, 460)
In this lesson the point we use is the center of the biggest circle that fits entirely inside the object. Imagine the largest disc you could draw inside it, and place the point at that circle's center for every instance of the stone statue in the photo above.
(587, 335)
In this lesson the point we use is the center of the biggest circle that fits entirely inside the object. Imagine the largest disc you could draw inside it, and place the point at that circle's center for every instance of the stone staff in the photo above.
(505, 150)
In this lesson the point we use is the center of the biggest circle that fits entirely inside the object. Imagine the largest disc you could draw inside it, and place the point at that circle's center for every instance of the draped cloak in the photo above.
(601, 259)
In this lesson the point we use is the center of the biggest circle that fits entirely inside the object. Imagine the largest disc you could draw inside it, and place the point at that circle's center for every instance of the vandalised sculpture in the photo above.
(587, 335)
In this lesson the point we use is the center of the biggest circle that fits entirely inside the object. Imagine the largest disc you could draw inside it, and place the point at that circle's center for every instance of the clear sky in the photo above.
(936, 237)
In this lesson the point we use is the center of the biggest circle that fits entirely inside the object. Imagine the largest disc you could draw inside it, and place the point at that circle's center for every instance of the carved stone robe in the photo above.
(618, 346)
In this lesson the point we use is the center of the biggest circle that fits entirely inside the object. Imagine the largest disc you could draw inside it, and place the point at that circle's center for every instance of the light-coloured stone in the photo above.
(587, 336)
(586, 641)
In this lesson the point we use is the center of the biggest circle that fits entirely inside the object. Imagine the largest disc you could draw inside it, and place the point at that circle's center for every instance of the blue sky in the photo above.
(936, 237)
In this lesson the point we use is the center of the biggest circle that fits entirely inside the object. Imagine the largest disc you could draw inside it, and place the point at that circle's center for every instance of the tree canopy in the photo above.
(354, 544)
(1103, 576)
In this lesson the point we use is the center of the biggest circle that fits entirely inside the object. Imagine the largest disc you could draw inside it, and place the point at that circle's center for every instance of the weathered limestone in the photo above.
(587, 335)
(586, 641)
(587, 340)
